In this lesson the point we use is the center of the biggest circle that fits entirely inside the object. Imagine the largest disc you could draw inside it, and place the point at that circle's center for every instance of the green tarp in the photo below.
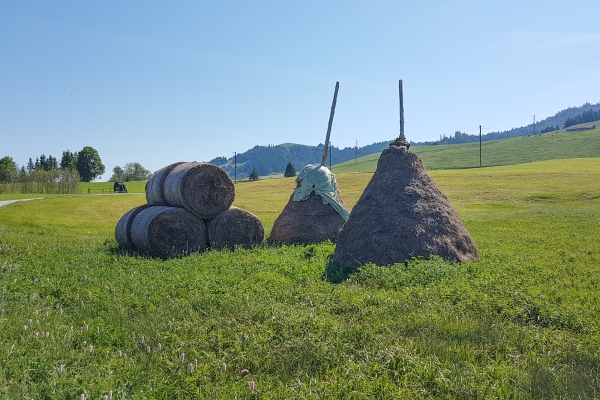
(319, 179)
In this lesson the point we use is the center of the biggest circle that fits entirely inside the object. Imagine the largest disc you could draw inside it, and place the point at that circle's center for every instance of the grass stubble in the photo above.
(81, 317)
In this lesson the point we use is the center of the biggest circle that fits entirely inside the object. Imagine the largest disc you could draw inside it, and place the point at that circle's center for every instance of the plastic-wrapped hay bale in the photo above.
(235, 227)
(123, 228)
(201, 188)
(164, 231)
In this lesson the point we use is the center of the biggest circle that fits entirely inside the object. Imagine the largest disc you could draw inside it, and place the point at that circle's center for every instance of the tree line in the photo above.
(586, 116)
(47, 175)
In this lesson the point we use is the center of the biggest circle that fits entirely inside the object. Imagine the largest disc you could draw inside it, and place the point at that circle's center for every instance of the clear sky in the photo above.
(157, 82)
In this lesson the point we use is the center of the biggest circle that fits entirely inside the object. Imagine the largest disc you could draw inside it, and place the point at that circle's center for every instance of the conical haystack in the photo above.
(402, 214)
(315, 212)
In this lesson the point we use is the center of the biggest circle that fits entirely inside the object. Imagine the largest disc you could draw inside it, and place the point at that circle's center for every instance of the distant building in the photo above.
(580, 128)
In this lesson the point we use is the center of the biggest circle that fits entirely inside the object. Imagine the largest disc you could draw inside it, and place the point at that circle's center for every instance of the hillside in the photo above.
(562, 119)
(268, 160)
(518, 150)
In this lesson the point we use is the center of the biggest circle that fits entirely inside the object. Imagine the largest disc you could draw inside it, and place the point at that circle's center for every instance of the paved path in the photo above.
(7, 202)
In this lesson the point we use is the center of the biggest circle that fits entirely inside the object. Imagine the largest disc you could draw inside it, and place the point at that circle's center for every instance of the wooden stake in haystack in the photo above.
(402, 214)
(401, 141)
(315, 212)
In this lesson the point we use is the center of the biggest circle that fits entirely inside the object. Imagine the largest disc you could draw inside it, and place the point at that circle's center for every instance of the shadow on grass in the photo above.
(337, 272)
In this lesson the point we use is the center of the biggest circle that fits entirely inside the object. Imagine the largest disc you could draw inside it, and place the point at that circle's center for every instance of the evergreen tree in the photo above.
(289, 170)
(254, 175)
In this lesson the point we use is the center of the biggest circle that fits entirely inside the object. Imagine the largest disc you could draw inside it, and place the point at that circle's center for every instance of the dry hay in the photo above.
(123, 228)
(163, 231)
(402, 214)
(235, 227)
(308, 221)
(201, 188)
(155, 187)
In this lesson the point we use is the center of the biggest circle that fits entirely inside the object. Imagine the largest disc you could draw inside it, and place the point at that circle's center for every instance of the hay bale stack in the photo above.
(308, 221)
(123, 229)
(201, 188)
(402, 214)
(235, 227)
(163, 231)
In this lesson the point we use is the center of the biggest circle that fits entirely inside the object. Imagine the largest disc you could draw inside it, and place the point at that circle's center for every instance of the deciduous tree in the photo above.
(89, 164)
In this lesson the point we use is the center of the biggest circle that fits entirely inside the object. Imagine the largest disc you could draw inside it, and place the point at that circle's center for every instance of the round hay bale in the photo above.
(201, 188)
(402, 214)
(155, 187)
(123, 228)
(308, 221)
(235, 227)
(163, 231)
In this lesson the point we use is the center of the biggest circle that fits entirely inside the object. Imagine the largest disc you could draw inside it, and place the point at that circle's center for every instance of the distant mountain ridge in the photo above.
(557, 120)
(274, 159)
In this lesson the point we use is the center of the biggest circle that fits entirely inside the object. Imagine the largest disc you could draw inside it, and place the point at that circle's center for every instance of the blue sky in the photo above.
(159, 82)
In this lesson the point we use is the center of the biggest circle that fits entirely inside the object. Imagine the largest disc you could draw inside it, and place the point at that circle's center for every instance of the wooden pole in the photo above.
(401, 137)
(324, 160)
(480, 145)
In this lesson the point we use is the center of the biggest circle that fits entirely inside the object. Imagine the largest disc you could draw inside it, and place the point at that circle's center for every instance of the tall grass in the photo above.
(519, 323)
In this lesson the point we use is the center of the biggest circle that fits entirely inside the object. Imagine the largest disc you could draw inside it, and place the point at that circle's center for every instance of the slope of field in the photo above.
(81, 317)
(518, 150)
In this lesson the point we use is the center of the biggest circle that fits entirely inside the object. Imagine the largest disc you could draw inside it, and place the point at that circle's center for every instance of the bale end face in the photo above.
(233, 228)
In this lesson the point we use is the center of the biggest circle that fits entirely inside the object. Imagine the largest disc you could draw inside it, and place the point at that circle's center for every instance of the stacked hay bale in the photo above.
(184, 199)
(315, 212)
(402, 214)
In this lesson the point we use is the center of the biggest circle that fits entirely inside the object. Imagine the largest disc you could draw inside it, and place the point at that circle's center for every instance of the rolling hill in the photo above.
(518, 150)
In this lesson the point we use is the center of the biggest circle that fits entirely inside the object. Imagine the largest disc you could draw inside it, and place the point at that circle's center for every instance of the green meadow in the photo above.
(82, 318)
(517, 150)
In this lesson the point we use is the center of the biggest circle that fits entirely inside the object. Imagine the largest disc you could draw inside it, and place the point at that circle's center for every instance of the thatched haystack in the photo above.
(163, 231)
(315, 212)
(235, 227)
(123, 228)
(402, 214)
(201, 188)
(308, 221)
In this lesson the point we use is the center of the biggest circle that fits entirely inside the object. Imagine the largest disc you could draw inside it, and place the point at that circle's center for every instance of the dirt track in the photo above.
(7, 202)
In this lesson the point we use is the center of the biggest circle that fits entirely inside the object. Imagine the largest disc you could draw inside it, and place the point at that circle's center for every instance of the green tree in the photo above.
(89, 165)
(253, 175)
(8, 169)
(118, 175)
(135, 172)
(289, 171)
(68, 161)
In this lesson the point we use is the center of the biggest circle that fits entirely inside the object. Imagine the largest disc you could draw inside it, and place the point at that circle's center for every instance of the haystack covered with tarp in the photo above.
(315, 212)
(402, 214)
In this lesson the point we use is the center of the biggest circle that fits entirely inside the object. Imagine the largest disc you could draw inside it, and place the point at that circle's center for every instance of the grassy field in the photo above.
(518, 150)
(81, 317)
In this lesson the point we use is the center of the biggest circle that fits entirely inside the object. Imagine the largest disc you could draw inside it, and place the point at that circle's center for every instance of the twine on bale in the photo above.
(203, 189)
(163, 231)
(233, 228)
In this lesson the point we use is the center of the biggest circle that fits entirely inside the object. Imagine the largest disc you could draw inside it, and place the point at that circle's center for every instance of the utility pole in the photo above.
(356, 157)
(480, 146)
(534, 124)
(330, 156)
(235, 166)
